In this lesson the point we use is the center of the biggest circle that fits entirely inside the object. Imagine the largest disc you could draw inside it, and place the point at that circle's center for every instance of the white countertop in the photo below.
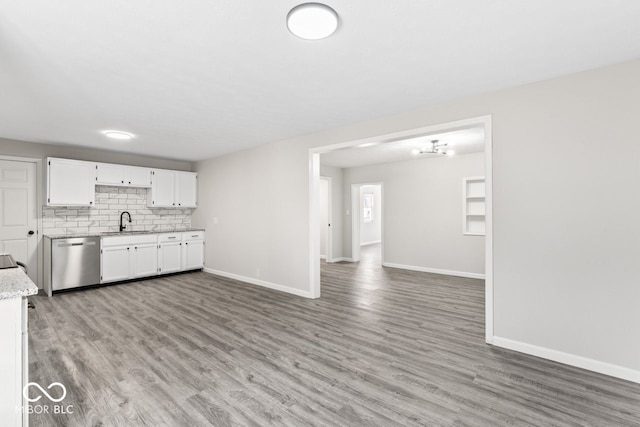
(14, 283)
(121, 233)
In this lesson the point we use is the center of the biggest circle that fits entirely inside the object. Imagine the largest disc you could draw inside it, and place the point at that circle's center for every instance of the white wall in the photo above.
(370, 232)
(423, 212)
(566, 250)
(324, 216)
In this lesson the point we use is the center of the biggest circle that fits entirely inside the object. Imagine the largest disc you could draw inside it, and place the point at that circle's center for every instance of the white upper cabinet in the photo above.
(70, 182)
(121, 175)
(137, 177)
(163, 189)
(108, 174)
(73, 182)
(173, 189)
(186, 189)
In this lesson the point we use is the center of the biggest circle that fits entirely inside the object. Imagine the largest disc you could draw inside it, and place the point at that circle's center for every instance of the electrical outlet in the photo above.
(257, 272)
(215, 219)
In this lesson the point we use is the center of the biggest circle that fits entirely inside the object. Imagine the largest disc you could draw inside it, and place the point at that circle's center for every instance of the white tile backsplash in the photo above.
(105, 215)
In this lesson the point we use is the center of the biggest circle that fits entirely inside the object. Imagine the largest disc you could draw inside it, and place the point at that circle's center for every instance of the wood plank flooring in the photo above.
(382, 347)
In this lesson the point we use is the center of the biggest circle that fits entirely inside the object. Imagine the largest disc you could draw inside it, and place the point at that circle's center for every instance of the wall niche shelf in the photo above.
(473, 206)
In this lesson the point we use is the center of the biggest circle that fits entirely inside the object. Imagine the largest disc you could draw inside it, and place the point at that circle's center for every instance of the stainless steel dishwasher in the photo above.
(71, 262)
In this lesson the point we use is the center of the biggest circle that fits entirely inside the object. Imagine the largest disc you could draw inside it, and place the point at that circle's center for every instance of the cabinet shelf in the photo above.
(473, 206)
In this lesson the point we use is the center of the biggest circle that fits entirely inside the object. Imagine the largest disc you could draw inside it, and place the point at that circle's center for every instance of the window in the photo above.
(367, 211)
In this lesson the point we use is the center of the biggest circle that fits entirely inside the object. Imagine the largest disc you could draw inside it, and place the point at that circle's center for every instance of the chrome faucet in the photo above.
(124, 227)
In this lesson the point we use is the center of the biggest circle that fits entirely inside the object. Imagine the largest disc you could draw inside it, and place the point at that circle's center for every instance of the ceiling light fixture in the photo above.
(436, 148)
(367, 144)
(116, 134)
(312, 21)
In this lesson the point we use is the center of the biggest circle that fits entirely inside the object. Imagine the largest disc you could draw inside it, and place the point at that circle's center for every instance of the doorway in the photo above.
(482, 122)
(367, 223)
(19, 212)
(324, 214)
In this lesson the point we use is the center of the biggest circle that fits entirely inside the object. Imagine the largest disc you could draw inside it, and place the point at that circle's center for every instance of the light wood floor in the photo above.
(381, 347)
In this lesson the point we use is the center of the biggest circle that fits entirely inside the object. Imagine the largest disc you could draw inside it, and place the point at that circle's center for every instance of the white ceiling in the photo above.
(201, 78)
(462, 142)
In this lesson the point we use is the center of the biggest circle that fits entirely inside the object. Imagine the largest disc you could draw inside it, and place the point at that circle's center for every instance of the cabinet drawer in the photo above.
(192, 235)
(170, 237)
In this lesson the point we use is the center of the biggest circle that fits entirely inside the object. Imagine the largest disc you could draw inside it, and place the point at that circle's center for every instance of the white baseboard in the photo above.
(371, 243)
(434, 270)
(323, 257)
(569, 359)
(341, 259)
(258, 282)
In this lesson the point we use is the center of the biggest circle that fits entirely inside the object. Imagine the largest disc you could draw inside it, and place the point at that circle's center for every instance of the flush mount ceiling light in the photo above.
(312, 21)
(367, 144)
(436, 148)
(116, 134)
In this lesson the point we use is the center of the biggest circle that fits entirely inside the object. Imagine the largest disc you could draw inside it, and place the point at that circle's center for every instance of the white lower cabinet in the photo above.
(170, 253)
(13, 361)
(145, 260)
(193, 255)
(116, 263)
(134, 256)
(192, 250)
(128, 257)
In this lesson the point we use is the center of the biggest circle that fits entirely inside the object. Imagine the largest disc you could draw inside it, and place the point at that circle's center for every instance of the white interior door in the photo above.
(357, 214)
(324, 217)
(18, 213)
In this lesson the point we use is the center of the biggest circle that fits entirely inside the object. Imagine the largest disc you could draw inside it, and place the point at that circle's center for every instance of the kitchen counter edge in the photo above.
(115, 233)
(14, 283)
